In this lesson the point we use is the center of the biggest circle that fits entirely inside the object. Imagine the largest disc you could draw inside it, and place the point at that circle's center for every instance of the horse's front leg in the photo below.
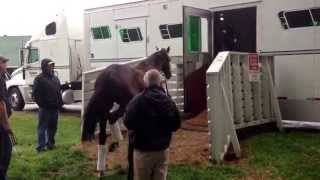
(102, 149)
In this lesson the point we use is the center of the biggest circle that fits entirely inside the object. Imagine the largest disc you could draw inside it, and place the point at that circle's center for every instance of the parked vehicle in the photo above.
(65, 48)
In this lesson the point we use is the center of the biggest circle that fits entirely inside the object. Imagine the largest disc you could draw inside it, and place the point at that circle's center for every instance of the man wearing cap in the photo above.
(5, 128)
(46, 93)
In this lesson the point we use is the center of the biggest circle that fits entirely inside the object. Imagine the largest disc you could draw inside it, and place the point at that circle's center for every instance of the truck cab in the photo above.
(57, 43)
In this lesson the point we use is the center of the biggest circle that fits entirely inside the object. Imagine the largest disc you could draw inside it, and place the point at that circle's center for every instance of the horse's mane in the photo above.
(152, 60)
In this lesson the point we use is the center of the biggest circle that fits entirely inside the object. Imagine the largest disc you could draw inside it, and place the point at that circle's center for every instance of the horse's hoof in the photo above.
(100, 174)
(113, 146)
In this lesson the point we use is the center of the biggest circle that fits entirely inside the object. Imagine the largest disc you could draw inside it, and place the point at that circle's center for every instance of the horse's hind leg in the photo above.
(102, 149)
(115, 130)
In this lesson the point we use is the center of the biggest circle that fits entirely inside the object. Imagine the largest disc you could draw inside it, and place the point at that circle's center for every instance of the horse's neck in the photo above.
(143, 67)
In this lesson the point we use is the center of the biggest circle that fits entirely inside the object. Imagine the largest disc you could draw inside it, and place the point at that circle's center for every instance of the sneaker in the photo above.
(51, 147)
(39, 150)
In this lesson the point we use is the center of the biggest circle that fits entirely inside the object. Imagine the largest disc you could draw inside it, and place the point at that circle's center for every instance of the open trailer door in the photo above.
(197, 56)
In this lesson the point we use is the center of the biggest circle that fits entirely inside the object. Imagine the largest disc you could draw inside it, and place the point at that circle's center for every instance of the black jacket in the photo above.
(46, 88)
(151, 117)
(4, 96)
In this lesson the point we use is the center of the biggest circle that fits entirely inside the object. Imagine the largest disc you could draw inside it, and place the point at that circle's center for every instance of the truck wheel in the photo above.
(16, 99)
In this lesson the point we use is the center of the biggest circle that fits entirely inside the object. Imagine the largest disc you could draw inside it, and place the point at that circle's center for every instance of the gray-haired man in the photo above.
(152, 116)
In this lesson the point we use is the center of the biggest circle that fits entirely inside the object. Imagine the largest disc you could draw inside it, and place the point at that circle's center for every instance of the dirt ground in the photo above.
(190, 145)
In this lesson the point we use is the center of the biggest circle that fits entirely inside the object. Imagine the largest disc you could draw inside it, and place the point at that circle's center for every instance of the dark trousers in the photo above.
(130, 161)
(47, 127)
(5, 153)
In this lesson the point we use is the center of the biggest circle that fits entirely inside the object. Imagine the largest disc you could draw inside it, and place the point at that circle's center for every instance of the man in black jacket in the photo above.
(5, 127)
(46, 93)
(151, 117)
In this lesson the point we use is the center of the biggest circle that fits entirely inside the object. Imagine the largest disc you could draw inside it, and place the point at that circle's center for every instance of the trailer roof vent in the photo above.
(51, 29)
(300, 18)
(102, 32)
(132, 34)
(316, 16)
(171, 31)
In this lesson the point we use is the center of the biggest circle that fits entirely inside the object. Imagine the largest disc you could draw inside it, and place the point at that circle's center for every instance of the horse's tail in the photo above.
(95, 111)
(90, 119)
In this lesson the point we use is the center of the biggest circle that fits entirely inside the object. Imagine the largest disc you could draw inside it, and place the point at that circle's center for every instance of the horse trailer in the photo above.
(198, 30)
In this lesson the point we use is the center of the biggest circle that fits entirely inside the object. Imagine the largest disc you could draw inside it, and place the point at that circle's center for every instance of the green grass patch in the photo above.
(204, 173)
(61, 163)
(292, 155)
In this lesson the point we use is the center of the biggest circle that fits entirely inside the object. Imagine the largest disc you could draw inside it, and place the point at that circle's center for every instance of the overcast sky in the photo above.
(27, 17)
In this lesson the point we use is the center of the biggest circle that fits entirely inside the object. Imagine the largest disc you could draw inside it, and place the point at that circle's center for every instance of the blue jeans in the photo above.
(47, 127)
(5, 153)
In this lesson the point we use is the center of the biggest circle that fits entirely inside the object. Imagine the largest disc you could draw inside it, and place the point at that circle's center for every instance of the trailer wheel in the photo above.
(16, 99)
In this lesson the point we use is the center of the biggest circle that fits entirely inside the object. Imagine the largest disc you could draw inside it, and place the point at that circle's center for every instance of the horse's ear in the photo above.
(168, 50)
(157, 48)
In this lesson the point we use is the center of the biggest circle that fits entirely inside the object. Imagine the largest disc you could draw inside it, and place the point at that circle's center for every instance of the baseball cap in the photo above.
(3, 59)
(51, 62)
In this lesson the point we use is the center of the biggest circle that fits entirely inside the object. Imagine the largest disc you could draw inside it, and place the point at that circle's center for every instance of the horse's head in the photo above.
(163, 61)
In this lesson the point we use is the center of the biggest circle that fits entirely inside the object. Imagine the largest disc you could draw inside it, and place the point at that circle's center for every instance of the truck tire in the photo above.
(16, 99)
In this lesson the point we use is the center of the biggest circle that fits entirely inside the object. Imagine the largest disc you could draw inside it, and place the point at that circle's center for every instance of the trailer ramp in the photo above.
(236, 100)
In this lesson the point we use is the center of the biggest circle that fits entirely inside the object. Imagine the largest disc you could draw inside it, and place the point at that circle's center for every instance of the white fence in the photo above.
(234, 102)
(175, 84)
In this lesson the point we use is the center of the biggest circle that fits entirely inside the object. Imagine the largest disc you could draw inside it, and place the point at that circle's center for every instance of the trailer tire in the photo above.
(16, 99)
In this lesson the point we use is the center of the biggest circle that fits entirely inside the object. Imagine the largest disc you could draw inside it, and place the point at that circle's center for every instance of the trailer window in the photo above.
(51, 29)
(198, 29)
(102, 32)
(129, 35)
(316, 16)
(297, 19)
(194, 34)
(33, 56)
(171, 31)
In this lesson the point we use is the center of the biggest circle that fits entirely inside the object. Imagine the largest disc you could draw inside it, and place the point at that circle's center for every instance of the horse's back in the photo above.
(119, 78)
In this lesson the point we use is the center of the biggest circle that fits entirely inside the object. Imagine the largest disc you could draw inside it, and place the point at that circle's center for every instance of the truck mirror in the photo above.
(21, 57)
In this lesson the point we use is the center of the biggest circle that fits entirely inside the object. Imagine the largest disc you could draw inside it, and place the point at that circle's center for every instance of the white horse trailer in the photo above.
(197, 30)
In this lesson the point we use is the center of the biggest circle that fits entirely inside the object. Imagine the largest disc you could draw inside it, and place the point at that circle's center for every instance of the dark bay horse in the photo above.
(118, 84)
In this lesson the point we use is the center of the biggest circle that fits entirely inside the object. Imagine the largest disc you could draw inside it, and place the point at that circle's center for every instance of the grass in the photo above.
(291, 155)
(62, 163)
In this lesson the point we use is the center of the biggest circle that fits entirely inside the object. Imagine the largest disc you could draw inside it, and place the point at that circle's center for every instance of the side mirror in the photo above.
(21, 57)
(24, 53)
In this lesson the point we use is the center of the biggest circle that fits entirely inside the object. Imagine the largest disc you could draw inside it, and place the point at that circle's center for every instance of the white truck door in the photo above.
(31, 65)
(132, 37)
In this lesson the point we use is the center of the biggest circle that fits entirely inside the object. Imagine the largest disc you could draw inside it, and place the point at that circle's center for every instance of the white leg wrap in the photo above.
(116, 131)
(101, 161)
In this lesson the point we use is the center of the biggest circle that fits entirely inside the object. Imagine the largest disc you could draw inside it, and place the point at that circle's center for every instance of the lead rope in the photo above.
(167, 90)
(166, 84)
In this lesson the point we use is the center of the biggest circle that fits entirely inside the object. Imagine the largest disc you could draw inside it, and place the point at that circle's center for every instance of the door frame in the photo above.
(188, 56)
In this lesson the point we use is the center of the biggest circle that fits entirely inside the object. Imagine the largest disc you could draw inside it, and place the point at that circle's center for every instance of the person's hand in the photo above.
(7, 128)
